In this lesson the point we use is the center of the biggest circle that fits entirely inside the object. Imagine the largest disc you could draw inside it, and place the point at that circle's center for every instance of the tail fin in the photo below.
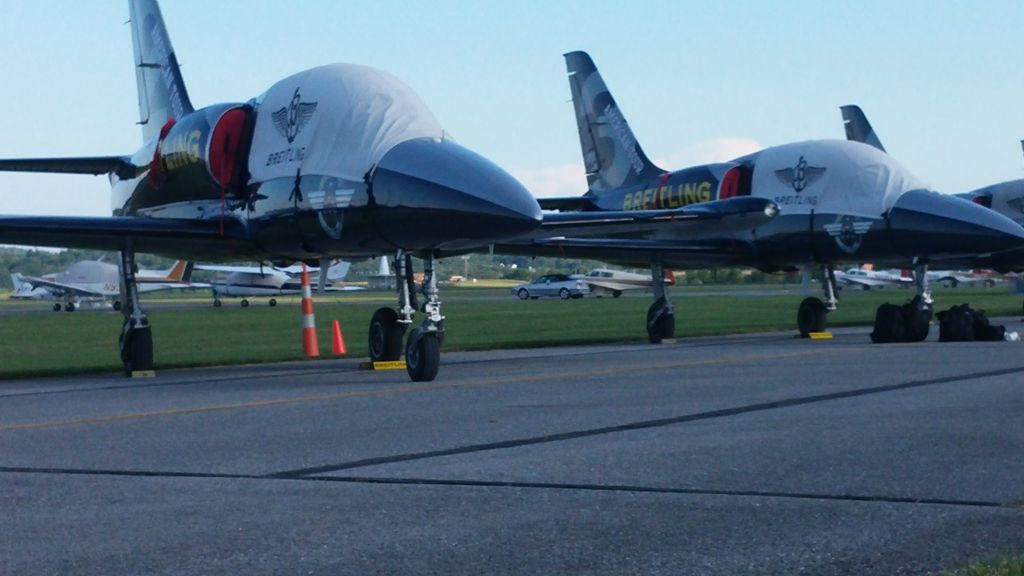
(18, 287)
(858, 129)
(338, 270)
(611, 154)
(181, 271)
(162, 94)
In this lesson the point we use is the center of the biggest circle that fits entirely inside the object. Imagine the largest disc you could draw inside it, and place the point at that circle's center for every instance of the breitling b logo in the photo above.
(800, 176)
(291, 119)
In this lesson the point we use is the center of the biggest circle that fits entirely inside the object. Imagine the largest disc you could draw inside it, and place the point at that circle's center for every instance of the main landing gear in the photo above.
(813, 313)
(136, 337)
(388, 326)
(661, 319)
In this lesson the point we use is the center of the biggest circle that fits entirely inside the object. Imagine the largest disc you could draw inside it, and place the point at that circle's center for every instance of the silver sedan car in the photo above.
(552, 286)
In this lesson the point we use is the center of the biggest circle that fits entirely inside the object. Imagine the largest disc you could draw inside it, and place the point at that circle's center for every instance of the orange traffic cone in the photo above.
(310, 346)
(337, 342)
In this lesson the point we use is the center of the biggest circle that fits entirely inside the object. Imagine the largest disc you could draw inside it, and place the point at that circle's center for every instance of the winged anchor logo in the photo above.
(291, 119)
(848, 232)
(800, 176)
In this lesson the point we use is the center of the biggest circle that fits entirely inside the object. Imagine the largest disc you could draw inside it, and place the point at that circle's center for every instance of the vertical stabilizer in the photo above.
(611, 154)
(858, 129)
(15, 282)
(162, 93)
(338, 270)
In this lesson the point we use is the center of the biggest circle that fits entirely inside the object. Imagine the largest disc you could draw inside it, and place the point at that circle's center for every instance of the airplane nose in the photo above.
(430, 193)
(949, 227)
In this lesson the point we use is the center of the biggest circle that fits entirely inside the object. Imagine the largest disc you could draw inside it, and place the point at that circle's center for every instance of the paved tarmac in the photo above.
(757, 454)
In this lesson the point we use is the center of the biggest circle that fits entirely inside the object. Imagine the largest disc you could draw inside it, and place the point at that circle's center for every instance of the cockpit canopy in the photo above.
(337, 120)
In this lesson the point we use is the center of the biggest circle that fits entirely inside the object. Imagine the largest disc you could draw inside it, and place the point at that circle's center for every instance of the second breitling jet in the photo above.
(838, 202)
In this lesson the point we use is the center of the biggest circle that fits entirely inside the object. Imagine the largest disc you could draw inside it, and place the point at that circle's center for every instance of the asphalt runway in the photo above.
(757, 454)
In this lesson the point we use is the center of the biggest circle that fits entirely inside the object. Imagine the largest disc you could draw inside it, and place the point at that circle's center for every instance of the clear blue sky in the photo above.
(943, 82)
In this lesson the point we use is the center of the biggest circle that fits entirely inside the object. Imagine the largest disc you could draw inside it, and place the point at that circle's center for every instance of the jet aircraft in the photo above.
(838, 201)
(95, 281)
(340, 160)
(1007, 198)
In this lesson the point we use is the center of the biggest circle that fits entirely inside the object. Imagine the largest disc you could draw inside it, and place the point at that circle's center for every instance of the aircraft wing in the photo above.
(610, 284)
(174, 237)
(230, 269)
(564, 203)
(60, 287)
(693, 235)
(95, 165)
(719, 216)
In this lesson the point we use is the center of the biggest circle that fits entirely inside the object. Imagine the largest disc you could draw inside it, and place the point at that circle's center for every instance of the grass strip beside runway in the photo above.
(60, 343)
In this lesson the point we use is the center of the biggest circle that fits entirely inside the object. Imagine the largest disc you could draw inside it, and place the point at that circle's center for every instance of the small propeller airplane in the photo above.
(266, 280)
(837, 202)
(95, 281)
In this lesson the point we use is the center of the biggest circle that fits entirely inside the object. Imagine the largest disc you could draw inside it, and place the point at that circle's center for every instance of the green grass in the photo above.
(1007, 566)
(54, 343)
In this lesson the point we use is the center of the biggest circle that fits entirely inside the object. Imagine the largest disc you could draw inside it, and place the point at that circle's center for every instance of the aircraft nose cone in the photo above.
(929, 224)
(431, 193)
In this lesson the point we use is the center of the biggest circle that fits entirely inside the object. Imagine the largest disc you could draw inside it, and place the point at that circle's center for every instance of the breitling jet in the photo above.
(339, 161)
(1007, 198)
(837, 202)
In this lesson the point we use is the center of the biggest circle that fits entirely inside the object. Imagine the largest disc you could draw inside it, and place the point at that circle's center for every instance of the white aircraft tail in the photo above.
(338, 270)
(20, 288)
(162, 94)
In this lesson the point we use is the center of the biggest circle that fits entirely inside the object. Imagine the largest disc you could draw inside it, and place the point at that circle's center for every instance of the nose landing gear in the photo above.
(388, 326)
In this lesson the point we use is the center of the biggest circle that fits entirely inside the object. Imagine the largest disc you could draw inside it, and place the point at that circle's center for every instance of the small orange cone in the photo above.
(337, 342)
(310, 345)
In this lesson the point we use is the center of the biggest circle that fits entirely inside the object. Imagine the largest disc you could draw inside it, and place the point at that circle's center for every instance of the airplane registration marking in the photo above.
(410, 389)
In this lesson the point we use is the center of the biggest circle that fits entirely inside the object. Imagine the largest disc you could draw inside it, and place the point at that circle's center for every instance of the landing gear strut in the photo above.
(388, 326)
(813, 313)
(136, 337)
(919, 314)
(661, 319)
(423, 347)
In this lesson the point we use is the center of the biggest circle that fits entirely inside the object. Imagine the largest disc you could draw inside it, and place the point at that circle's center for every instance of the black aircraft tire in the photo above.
(662, 328)
(272, 302)
(245, 303)
(666, 326)
(217, 303)
(69, 307)
(616, 293)
(422, 356)
(56, 307)
(137, 350)
(811, 316)
(385, 338)
(117, 305)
